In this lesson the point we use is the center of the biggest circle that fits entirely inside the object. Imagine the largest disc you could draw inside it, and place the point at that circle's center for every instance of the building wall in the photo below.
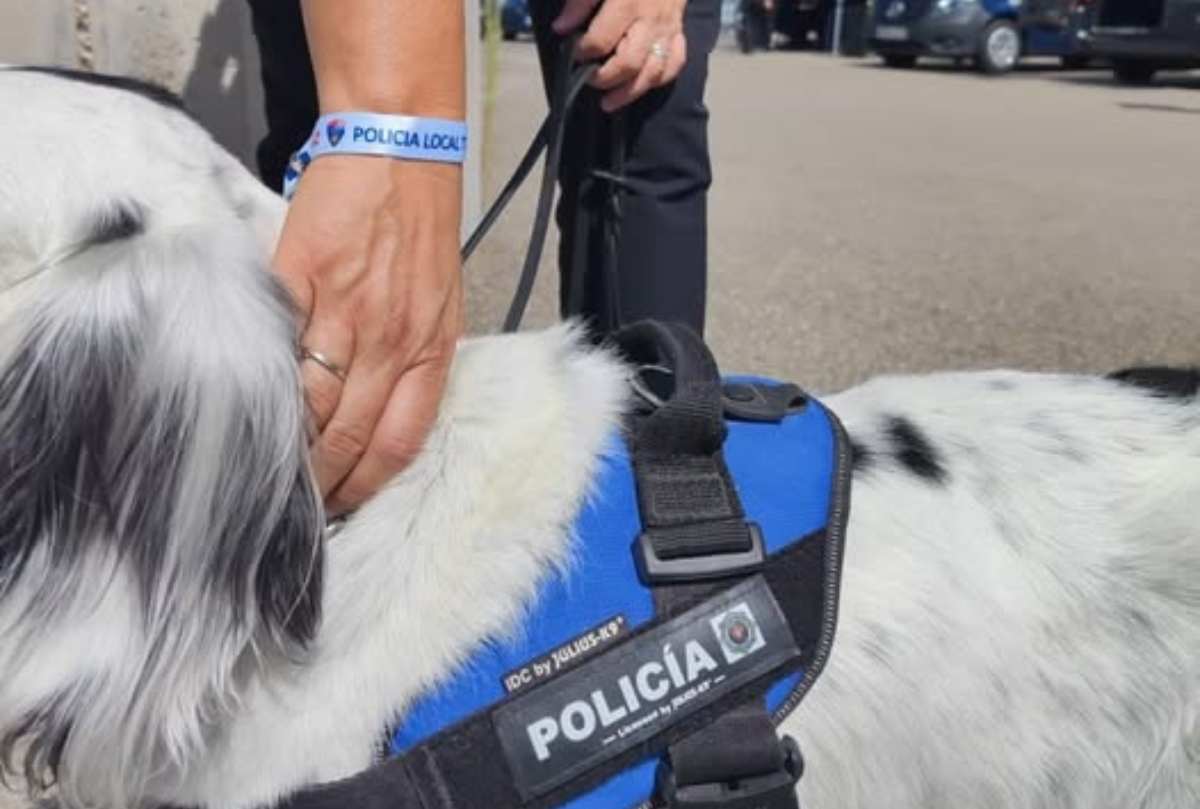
(202, 49)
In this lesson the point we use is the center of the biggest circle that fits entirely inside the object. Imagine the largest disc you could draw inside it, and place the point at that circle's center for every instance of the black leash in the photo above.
(570, 79)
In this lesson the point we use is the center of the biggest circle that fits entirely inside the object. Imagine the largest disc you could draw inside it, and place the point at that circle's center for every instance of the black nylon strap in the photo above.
(572, 78)
(688, 501)
(690, 510)
(464, 766)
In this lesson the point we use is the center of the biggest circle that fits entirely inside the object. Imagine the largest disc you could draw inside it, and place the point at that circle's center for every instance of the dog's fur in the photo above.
(1020, 622)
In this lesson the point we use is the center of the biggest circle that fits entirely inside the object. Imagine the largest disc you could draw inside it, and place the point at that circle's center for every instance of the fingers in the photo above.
(631, 58)
(360, 463)
(608, 26)
(574, 14)
(655, 72)
(399, 435)
(642, 44)
(676, 58)
(334, 343)
(299, 288)
(347, 432)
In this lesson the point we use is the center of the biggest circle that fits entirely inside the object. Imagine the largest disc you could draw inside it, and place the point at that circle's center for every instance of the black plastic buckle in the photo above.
(654, 570)
(754, 401)
(775, 790)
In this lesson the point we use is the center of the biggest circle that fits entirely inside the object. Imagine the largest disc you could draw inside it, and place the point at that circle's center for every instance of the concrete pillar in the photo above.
(473, 176)
(202, 49)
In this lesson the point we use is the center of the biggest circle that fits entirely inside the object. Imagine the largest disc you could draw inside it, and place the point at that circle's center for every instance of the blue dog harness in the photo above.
(698, 611)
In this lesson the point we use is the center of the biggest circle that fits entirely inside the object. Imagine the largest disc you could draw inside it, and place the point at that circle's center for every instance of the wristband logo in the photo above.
(334, 130)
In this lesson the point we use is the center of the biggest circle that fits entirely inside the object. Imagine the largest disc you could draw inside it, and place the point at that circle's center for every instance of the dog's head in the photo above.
(160, 535)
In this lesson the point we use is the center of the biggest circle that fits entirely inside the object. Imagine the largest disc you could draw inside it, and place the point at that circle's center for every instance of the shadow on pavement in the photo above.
(1160, 108)
(1164, 81)
(949, 67)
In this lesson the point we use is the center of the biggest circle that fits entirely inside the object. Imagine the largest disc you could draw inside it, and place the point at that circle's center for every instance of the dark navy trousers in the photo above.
(633, 207)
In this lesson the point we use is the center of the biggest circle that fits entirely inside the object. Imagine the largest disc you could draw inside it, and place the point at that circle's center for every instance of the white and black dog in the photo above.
(1020, 618)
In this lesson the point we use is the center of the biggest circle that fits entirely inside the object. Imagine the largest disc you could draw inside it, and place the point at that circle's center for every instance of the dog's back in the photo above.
(1022, 596)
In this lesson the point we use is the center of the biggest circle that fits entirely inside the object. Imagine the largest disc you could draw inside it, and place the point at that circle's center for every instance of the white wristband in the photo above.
(403, 137)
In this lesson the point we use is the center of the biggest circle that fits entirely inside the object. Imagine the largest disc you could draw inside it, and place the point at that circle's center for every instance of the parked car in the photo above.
(515, 19)
(995, 34)
(1142, 37)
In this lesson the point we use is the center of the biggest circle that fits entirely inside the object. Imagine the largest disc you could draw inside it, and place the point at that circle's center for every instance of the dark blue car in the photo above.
(995, 34)
(514, 18)
(1142, 37)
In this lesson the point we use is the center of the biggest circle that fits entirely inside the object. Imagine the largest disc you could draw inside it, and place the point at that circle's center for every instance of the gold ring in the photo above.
(329, 365)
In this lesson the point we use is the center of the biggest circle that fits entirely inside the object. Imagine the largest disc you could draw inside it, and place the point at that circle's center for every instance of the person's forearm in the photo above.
(389, 57)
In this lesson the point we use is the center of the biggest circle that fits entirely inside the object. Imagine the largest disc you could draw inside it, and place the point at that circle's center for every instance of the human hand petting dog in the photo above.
(370, 253)
(369, 249)
(641, 42)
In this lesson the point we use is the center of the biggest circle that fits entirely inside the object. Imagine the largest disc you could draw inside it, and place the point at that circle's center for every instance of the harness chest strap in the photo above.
(490, 761)
(687, 687)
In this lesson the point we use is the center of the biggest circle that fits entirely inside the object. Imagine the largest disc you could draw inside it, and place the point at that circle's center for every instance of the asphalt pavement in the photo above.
(867, 221)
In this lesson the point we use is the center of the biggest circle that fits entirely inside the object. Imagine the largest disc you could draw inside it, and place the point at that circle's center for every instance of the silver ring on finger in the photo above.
(659, 50)
(329, 365)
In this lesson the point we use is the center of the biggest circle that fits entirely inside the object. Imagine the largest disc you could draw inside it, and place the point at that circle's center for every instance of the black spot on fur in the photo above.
(1169, 383)
(1000, 687)
(879, 644)
(1137, 622)
(157, 94)
(914, 451)
(122, 221)
(862, 458)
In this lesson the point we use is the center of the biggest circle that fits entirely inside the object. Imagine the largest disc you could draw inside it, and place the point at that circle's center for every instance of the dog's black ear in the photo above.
(51, 432)
(154, 490)
(151, 413)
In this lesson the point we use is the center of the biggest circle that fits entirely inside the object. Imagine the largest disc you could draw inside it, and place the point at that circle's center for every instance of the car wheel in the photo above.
(900, 60)
(999, 48)
(1134, 71)
(508, 35)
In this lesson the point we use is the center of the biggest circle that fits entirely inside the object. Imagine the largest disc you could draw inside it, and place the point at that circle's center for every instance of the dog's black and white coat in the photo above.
(1020, 624)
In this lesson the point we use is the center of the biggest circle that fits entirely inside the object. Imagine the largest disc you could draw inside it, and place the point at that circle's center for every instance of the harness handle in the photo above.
(694, 528)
